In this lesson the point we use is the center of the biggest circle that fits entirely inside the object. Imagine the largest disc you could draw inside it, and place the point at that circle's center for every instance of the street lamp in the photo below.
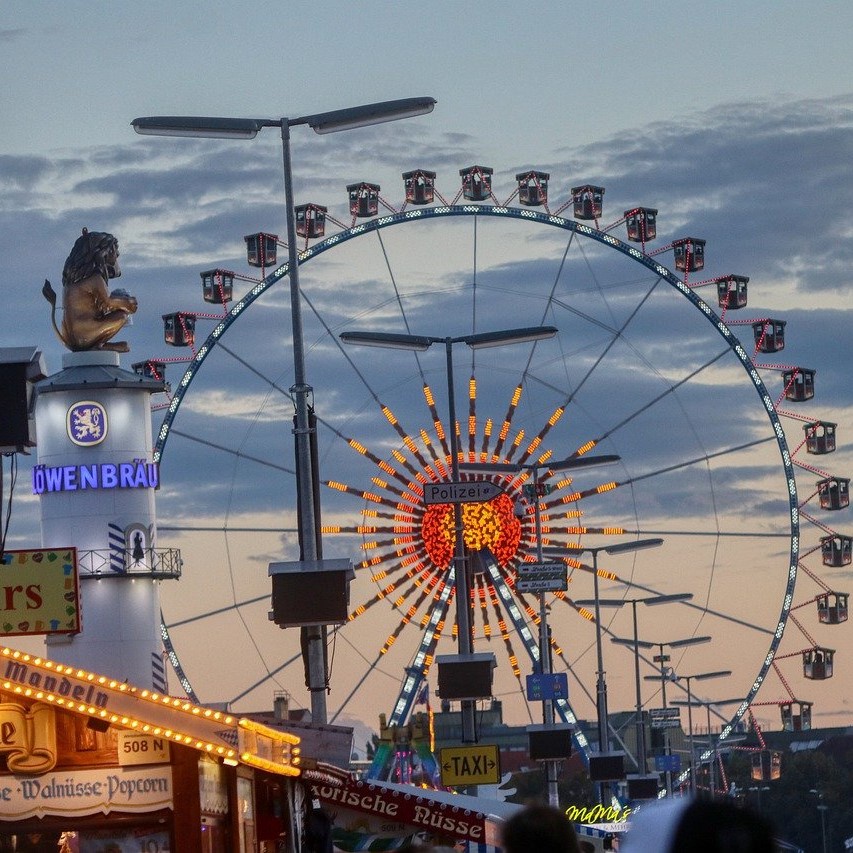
(661, 658)
(699, 676)
(573, 462)
(712, 748)
(651, 601)
(421, 343)
(601, 684)
(247, 128)
(822, 807)
(757, 789)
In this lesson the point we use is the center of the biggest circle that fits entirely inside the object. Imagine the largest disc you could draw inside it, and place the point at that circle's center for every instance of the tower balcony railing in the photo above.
(153, 563)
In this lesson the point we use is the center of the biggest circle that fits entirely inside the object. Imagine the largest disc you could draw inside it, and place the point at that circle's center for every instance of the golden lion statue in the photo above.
(91, 315)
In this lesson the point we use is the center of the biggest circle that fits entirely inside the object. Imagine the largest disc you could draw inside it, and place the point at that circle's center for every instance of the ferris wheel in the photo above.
(652, 364)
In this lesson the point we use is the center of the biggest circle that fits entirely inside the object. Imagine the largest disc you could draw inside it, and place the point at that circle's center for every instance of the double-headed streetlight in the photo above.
(601, 682)
(666, 674)
(247, 128)
(712, 748)
(572, 463)
(635, 643)
(421, 343)
(698, 676)
(822, 808)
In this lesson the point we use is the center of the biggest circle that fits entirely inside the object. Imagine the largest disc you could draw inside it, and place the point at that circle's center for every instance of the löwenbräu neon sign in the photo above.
(137, 474)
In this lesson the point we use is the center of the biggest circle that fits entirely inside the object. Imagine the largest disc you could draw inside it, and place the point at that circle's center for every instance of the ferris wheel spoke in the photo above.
(270, 382)
(237, 454)
(208, 614)
(698, 460)
(270, 676)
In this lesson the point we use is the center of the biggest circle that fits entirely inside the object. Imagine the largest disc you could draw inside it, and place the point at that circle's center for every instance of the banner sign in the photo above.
(83, 792)
(39, 592)
(403, 812)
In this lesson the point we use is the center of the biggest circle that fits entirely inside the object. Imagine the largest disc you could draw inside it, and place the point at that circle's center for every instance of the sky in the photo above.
(735, 121)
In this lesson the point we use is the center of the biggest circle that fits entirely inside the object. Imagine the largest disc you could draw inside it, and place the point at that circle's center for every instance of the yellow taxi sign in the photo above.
(470, 765)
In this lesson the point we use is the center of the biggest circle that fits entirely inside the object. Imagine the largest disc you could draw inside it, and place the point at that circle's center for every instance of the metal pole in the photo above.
(666, 751)
(545, 652)
(690, 736)
(713, 748)
(641, 727)
(463, 604)
(601, 685)
(301, 392)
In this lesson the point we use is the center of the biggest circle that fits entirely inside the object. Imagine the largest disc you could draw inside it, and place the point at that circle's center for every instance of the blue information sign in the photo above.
(668, 763)
(554, 685)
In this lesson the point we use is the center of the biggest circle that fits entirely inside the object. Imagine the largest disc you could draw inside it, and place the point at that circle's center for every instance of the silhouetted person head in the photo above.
(542, 829)
(698, 826)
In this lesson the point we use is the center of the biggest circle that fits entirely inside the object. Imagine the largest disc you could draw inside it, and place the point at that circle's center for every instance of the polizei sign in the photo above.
(475, 491)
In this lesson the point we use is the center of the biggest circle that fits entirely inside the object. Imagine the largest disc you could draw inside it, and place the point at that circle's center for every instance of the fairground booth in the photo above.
(89, 763)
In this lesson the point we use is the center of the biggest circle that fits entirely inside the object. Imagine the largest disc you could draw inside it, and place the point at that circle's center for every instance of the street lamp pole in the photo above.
(822, 808)
(420, 343)
(248, 128)
(699, 676)
(665, 673)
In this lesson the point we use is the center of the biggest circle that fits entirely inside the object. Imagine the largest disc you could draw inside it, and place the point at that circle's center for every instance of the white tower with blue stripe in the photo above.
(96, 482)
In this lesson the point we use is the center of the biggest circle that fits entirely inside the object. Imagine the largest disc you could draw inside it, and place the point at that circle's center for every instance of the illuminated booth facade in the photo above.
(97, 764)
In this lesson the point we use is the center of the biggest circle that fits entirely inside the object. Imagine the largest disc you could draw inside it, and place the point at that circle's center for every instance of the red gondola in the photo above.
(796, 716)
(217, 286)
(179, 329)
(588, 201)
(799, 384)
(533, 188)
(766, 765)
(837, 550)
(420, 186)
(731, 291)
(641, 223)
(817, 663)
(363, 199)
(820, 437)
(261, 249)
(834, 492)
(689, 254)
(150, 369)
(476, 182)
(310, 220)
(769, 335)
(832, 608)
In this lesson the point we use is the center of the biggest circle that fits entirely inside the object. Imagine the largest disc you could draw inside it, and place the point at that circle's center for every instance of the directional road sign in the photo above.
(473, 491)
(470, 765)
(665, 718)
(557, 570)
(535, 585)
(541, 577)
(664, 713)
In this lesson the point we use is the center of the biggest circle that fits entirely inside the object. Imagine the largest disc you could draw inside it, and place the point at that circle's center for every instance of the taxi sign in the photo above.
(472, 491)
(470, 765)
